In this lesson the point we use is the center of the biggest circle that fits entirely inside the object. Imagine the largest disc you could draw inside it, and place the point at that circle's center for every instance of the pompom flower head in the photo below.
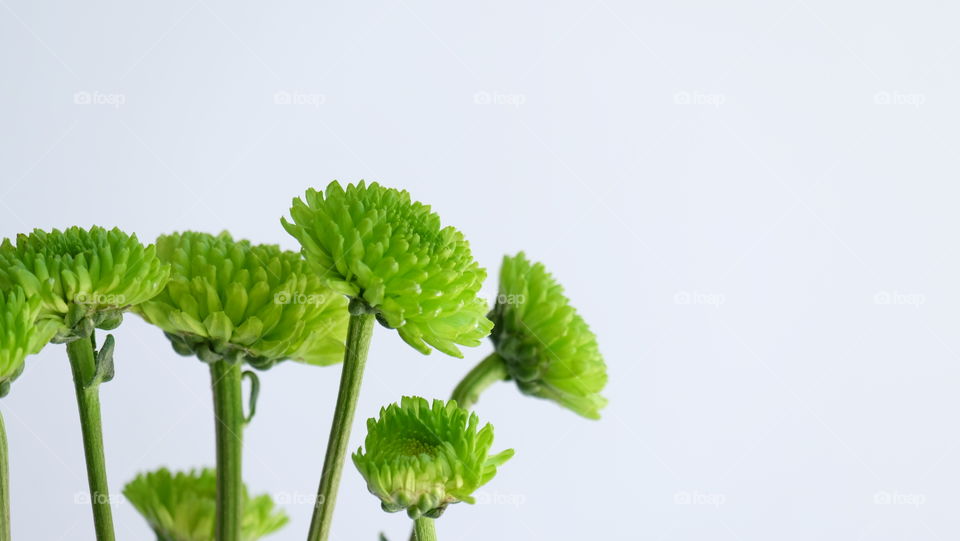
(548, 348)
(235, 301)
(422, 457)
(83, 277)
(378, 247)
(180, 506)
(19, 334)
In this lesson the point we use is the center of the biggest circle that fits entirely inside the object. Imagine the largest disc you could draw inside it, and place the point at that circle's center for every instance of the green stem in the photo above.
(489, 371)
(83, 365)
(425, 530)
(228, 415)
(4, 485)
(354, 359)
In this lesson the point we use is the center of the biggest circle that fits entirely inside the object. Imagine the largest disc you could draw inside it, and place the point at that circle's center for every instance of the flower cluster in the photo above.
(83, 277)
(374, 244)
(548, 348)
(240, 302)
(19, 334)
(422, 457)
(181, 506)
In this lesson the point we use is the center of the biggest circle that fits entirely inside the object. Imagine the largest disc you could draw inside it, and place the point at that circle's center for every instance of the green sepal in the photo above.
(103, 368)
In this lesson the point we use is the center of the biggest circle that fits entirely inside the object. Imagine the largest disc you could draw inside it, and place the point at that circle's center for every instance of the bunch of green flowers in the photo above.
(548, 349)
(84, 278)
(375, 245)
(235, 301)
(422, 457)
(181, 506)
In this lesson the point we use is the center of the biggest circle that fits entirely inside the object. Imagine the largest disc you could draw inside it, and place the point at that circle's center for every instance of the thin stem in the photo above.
(425, 529)
(354, 359)
(83, 365)
(228, 415)
(489, 371)
(4, 485)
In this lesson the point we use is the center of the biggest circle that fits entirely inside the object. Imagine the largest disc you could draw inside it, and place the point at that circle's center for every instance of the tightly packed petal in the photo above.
(374, 244)
(20, 335)
(82, 276)
(181, 506)
(237, 301)
(422, 457)
(548, 349)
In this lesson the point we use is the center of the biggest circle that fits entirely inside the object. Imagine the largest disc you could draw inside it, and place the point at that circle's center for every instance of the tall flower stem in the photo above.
(83, 365)
(489, 371)
(226, 381)
(354, 358)
(4, 485)
(425, 529)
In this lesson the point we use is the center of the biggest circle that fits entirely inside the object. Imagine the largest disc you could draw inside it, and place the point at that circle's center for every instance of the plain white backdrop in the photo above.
(752, 203)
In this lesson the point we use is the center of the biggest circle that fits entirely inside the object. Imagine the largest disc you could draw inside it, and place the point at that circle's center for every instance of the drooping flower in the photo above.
(181, 506)
(237, 301)
(20, 334)
(549, 350)
(375, 245)
(422, 457)
(83, 277)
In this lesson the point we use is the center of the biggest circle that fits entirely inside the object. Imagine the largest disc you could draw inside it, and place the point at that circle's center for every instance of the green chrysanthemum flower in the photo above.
(547, 347)
(20, 335)
(82, 276)
(422, 458)
(233, 300)
(181, 506)
(374, 244)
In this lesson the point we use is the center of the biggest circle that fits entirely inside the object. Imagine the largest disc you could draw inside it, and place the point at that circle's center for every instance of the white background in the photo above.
(752, 203)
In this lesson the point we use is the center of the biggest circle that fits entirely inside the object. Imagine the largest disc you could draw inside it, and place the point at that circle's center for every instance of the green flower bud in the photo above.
(181, 506)
(83, 277)
(235, 301)
(373, 244)
(20, 334)
(422, 458)
(548, 349)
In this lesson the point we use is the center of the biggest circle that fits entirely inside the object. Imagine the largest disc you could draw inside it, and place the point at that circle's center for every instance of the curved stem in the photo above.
(228, 414)
(489, 371)
(425, 529)
(4, 485)
(83, 365)
(354, 359)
